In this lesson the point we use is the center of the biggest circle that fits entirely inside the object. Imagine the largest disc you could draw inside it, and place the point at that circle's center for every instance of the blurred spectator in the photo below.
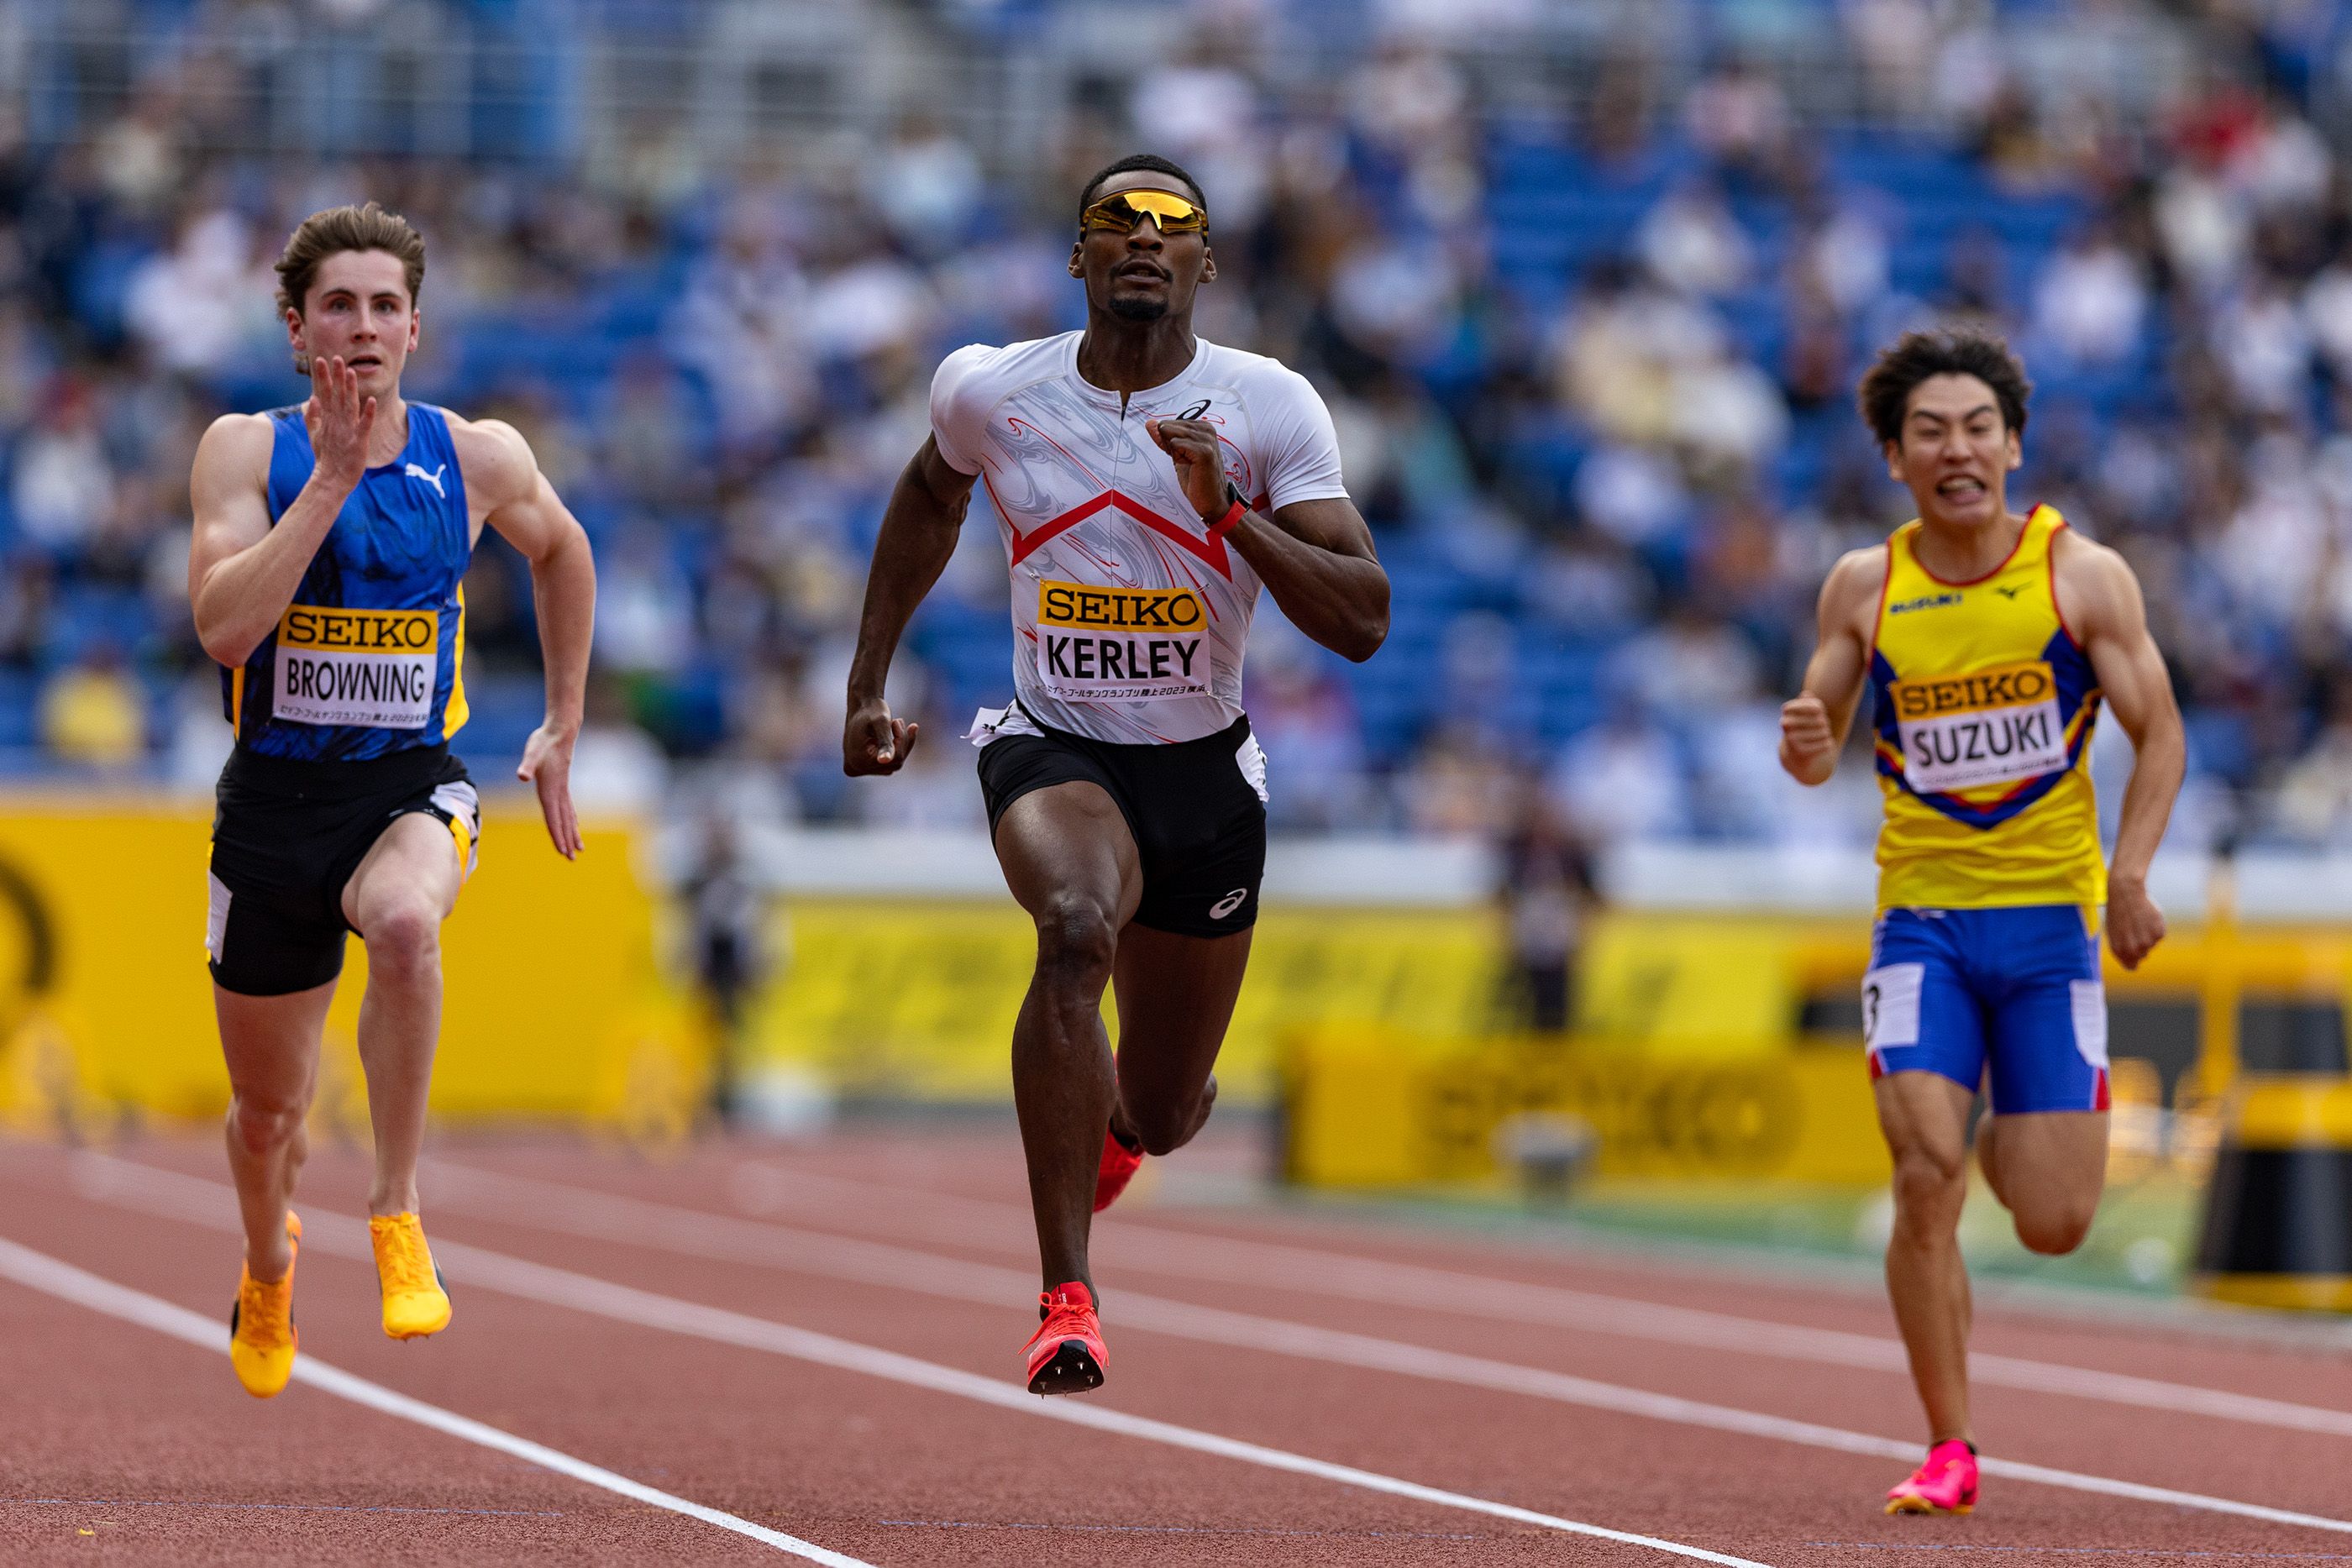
(1622, 779)
(617, 767)
(193, 307)
(927, 185)
(1845, 260)
(728, 910)
(1456, 787)
(1592, 372)
(1547, 895)
(2090, 303)
(645, 611)
(92, 715)
(1691, 243)
(2264, 345)
(1301, 714)
(2315, 798)
(1739, 118)
(63, 483)
(1728, 413)
(1693, 665)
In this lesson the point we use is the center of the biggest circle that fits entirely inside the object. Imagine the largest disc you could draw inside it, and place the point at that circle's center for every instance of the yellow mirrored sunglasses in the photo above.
(1120, 213)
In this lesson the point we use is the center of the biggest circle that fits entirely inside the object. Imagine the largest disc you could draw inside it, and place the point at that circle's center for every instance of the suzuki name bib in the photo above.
(1990, 727)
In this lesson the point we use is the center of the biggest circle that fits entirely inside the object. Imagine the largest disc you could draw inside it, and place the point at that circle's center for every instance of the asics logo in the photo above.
(1196, 410)
(1228, 903)
(433, 478)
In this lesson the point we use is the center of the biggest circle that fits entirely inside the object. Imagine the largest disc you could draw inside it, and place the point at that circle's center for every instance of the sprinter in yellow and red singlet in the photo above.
(1990, 641)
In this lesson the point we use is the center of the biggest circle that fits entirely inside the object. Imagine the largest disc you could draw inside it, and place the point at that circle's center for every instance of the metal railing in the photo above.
(598, 83)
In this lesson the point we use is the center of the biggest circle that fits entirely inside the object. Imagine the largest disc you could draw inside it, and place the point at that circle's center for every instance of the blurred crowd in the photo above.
(1592, 369)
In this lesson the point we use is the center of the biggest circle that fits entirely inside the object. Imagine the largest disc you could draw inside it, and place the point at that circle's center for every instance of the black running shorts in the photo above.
(287, 836)
(1194, 806)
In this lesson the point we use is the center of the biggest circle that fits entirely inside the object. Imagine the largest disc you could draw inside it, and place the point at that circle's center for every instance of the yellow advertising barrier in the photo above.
(1724, 984)
(1365, 1107)
(553, 1008)
(1697, 1054)
(916, 998)
(896, 998)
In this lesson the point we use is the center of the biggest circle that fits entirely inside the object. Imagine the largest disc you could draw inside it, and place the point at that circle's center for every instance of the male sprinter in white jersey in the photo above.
(1988, 640)
(1147, 484)
(331, 542)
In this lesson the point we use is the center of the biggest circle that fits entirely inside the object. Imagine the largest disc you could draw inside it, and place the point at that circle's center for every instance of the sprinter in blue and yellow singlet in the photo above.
(325, 574)
(1989, 642)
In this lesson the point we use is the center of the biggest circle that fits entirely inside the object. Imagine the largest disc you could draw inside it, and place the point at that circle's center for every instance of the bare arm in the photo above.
(242, 572)
(528, 514)
(1814, 723)
(1314, 557)
(2100, 600)
(920, 529)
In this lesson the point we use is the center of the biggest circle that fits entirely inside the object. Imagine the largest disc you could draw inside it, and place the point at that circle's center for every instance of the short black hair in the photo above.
(1151, 160)
(1949, 352)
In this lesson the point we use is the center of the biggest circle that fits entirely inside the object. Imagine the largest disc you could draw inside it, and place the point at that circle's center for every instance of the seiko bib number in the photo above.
(1989, 726)
(1130, 643)
(367, 667)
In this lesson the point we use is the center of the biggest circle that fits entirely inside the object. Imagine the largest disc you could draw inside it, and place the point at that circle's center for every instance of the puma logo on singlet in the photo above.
(433, 478)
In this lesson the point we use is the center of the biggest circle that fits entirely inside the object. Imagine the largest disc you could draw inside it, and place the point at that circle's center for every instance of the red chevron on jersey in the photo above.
(1210, 551)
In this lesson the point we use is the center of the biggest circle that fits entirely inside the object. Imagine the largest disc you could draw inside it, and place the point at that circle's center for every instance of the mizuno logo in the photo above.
(433, 478)
(2011, 591)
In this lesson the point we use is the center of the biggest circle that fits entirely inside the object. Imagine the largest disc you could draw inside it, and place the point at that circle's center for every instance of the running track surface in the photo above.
(815, 1345)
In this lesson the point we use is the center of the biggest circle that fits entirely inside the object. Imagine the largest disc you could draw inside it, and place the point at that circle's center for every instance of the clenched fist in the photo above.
(1192, 446)
(872, 741)
(1809, 742)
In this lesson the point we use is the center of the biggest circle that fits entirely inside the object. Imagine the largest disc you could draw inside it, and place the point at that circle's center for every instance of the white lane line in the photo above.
(39, 1271)
(1310, 1270)
(577, 1211)
(212, 1204)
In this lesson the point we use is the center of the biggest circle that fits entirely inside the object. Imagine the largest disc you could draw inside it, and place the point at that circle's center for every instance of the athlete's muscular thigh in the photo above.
(1175, 997)
(1066, 848)
(1924, 1118)
(414, 861)
(271, 1046)
(2050, 1167)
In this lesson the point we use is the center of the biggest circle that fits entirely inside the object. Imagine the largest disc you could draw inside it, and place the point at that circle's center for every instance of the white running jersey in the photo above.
(1129, 621)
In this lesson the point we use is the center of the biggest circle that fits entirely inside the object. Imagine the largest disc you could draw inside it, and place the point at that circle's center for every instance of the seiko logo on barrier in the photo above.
(1131, 645)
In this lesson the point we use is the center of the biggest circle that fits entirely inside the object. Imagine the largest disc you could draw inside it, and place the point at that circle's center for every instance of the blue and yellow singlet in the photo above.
(1984, 706)
(367, 659)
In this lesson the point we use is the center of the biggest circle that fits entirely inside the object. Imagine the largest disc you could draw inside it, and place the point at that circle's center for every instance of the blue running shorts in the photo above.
(1958, 991)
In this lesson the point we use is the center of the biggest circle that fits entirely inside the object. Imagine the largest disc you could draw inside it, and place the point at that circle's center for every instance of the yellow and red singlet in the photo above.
(1984, 706)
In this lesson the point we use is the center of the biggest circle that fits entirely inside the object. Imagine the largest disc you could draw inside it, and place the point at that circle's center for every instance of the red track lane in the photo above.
(899, 1475)
(978, 1209)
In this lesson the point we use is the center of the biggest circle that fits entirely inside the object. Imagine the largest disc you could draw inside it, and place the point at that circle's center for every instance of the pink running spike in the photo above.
(1946, 1483)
